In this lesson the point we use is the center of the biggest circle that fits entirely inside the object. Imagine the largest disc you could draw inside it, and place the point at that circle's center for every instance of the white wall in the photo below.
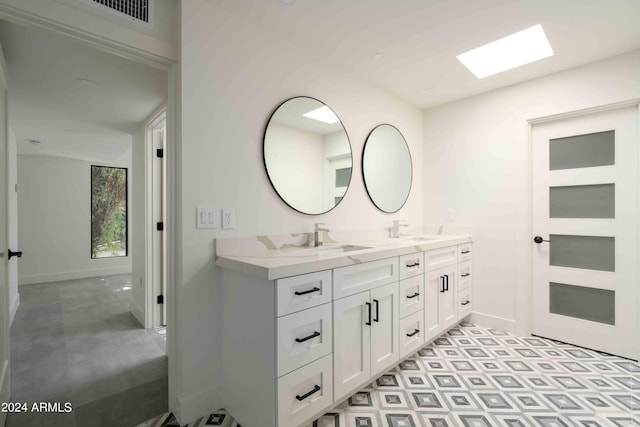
(160, 41)
(476, 161)
(232, 77)
(12, 179)
(295, 160)
(54, 207)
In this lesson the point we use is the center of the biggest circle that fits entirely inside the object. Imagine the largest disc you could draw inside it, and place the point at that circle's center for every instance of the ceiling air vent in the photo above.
(138, 11)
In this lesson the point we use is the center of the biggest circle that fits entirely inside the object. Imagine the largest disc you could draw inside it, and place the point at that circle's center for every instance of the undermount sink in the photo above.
(421, 238)
(339, 249)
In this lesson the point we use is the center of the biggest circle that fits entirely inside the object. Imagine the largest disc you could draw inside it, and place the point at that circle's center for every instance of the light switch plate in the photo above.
(207, 217)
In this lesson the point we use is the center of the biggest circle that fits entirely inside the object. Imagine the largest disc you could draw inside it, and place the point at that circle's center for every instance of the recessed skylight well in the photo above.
(506, 53)
(323, 114)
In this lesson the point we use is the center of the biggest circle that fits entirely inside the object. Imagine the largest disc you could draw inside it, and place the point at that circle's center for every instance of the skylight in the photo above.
(323, 114)
(506, 53)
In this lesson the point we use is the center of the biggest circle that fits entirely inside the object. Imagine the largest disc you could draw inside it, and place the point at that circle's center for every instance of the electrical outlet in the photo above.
(228, 218)
(450, 215)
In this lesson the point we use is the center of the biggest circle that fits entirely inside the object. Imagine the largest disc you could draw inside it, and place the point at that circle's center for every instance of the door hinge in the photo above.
(160, 226)
(160, 299)
(160, 152)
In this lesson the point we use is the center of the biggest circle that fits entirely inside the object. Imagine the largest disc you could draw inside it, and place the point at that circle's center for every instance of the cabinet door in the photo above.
(433, 287)
(351, 343)
(448, 298)
(385, 343)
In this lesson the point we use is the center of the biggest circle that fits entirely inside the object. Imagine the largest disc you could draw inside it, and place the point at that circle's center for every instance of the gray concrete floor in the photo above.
(76, 341)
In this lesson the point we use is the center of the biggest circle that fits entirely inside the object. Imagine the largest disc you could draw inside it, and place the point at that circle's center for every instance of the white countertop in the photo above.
(291, 261)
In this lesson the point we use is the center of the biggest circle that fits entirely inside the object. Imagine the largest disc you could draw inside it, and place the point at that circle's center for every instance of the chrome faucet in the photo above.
(317, 237)
(395, 230)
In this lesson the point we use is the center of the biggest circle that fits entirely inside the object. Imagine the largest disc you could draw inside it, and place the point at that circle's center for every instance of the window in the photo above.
(108, 212)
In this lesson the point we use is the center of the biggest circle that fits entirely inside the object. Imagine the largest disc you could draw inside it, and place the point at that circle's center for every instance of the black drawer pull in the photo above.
(368, 322)
(417, 264)
(466, 275)
(315, 289)
(466, 302)
(414, 295)
(313, 335)
(413, 333)
(465, 252)
(304, 396)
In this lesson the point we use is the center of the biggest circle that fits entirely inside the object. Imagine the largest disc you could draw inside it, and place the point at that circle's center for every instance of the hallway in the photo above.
(76, 341)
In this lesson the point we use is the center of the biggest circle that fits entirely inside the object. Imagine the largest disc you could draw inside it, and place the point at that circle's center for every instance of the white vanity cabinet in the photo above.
(294, 346)
(366, 324)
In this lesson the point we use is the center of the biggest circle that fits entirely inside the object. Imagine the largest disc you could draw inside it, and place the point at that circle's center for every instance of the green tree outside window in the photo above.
(108, 212)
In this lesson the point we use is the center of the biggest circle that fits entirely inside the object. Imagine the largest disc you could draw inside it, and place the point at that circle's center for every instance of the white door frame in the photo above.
(173, 171)
(155, 241)
(524, 292)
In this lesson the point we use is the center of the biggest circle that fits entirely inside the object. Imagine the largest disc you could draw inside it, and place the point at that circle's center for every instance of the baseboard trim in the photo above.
(196, 406)
(138, 313)
(489, 321)
(70, 275)
(14, 307)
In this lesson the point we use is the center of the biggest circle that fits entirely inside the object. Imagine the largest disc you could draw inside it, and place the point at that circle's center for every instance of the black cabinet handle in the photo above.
(16, 254)
(368, 322)
(413, 296)
(413, 333)
(446, 277)
(442, 289)
(315, 289)
(466, 302)
(466, 275)
(313, 335)
(465, 252)
(304, 396)
(416, 264)
(377, 318)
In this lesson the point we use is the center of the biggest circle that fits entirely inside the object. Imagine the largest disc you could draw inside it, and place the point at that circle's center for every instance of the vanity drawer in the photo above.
(305, 392)
(411, 265)
(464, 252)
(464, 275)
(411, 333)
(357, 278)
(442, 257)
(464, 302)
(297, 293)
(411, 295)
(303, 337)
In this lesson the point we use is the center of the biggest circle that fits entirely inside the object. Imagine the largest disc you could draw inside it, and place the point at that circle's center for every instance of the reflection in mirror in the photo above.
(386, 168)
(307, 155)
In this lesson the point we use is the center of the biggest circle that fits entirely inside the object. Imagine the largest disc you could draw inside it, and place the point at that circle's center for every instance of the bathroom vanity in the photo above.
(303, 328)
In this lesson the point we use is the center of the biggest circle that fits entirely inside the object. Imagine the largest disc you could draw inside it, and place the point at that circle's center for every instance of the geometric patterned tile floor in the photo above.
(477, 377)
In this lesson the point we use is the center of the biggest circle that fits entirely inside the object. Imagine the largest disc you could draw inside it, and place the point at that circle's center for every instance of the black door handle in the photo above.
(446, 278)
(16, 254)
(539, 239)
(377, 318)
(442, 289)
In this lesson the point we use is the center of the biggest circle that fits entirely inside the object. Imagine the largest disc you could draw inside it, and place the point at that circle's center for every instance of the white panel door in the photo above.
(433, 285)
(385, 319)
(585, 223)
(351, 343)
(4, 243)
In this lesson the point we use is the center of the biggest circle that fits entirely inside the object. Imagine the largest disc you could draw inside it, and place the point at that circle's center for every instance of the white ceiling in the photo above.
(73, 119)
(420, 39)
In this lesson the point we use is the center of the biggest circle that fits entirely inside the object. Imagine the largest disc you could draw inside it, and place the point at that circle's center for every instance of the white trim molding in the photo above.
(71, 275)
(15, 303)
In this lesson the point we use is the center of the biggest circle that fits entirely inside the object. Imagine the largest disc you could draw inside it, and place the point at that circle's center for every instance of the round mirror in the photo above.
(307, 155)
(386, 168)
